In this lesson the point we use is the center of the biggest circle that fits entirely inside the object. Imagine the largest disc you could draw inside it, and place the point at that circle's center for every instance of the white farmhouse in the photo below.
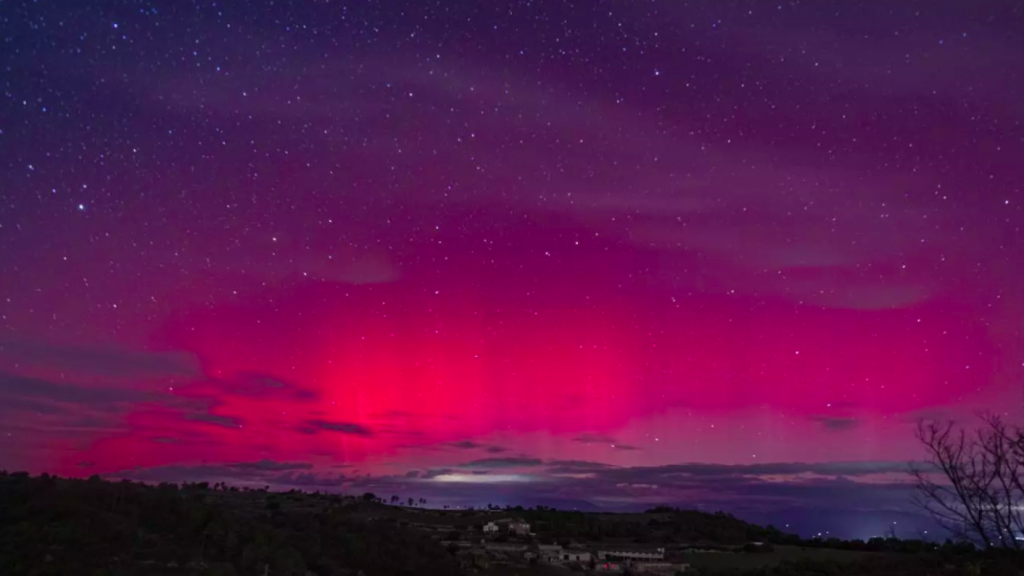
(581, 556)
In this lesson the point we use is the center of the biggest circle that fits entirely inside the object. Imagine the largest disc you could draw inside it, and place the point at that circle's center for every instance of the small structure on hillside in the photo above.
(632, 555)
(490, 528)
(549, 553)
(581, 556)
(520, 527)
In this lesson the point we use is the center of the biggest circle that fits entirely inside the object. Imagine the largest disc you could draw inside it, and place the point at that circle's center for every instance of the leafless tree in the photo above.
(972, 483)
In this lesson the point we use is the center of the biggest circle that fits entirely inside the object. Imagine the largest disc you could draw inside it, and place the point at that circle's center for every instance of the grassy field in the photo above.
(741, 561)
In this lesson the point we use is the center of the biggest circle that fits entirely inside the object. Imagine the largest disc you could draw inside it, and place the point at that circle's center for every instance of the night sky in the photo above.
(601, 254)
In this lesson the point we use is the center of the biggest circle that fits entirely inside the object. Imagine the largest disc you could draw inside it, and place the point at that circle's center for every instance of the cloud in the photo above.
(696, 217)
(215, 419)
(587, 438)
(761, 487)
(50, 407)
(12, 404)
(698, 474)
(265, 387)
(512, 462)
(105, 362)
(471, 445)
(863, 58)
(277, 475)
(772, 469)
(271, 466)
(51, 393)
(575, 466)
(315, 426)
(310, 480)
(836, 424)
(187, 473)
(756, 490)
(467, 444)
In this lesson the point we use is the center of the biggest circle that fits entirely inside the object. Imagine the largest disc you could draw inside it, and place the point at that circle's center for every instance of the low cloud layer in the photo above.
(471, 445)
(314, 426)
(272, 466)
(512, 462)
(765, 492)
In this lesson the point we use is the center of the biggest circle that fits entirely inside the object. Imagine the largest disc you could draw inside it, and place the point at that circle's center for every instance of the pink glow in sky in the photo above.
(539, 250)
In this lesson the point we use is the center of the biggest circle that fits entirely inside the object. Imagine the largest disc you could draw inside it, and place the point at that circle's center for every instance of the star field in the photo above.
(392, 240)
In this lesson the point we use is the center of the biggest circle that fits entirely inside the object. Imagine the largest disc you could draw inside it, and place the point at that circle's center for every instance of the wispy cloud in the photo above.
(594, 439)
(467, 444)
(755, 489)
(314, 426)
(56, 394)
(263, 387)
(271, 465)
(604, 439)
(277, 475)
(836, 424)
(512, 462)
(471, 445)
(215, 419)
(93, 361)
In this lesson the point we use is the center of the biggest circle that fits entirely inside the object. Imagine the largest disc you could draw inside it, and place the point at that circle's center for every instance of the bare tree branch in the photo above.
(973, 485)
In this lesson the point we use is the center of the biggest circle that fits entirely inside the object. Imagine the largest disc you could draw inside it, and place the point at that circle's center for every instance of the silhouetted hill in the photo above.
(56, 526)
(59, 526)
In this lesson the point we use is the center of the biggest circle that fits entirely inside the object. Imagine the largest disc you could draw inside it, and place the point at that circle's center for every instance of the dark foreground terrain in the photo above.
(57, 526)
(62, 527)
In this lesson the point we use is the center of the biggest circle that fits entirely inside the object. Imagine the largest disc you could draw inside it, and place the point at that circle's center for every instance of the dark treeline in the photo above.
(56, 526)
(660, 526)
